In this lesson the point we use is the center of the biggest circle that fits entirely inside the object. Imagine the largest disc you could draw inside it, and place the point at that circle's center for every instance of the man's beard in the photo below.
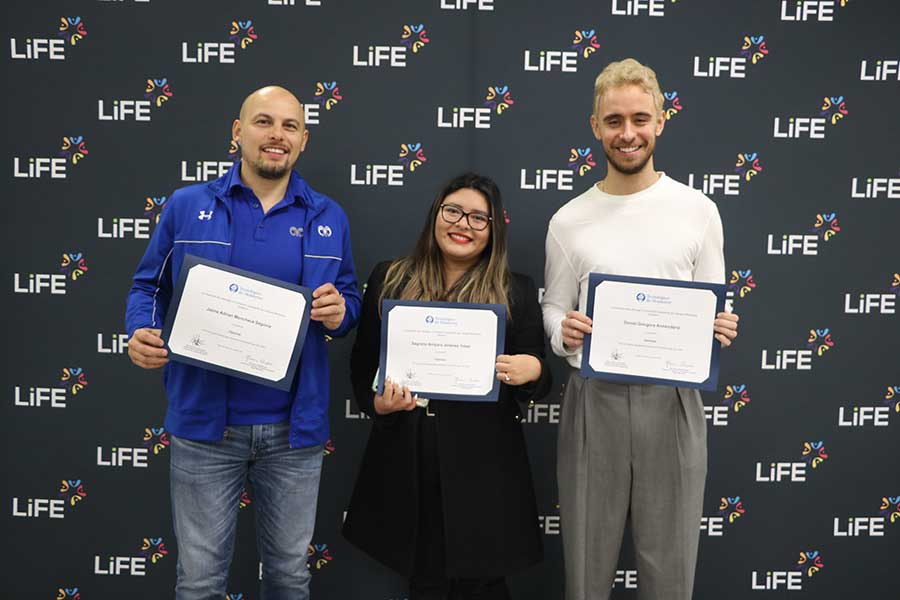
(629, 170)
(270, 171)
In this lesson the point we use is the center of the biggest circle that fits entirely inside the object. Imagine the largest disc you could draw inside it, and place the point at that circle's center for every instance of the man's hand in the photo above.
(145, 349)
(328, 306)
(574, 326)
(394, 398)
(725, 327)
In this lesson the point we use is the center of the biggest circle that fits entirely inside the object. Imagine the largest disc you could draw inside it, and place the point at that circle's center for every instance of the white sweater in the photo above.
(667, 231)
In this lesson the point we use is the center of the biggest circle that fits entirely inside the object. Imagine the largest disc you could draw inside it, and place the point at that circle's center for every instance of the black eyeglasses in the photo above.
(476, 220)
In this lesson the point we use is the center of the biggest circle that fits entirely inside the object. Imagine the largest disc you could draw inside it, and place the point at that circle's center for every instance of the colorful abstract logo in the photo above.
(585, 42)
(814, 453)
(893, 397)
(328, 448)
(73, 265)
(156, 439)
(68, 594)
(73, 148)
(754, 48)
(747, 165)
(731, 508)
(810, 563)
(234, 597)
(318, 556)
(154, 549)
(245, 500)
(826, 226)
(72, 29)
(153, 207)
(741, 282)
(498, 98)
(895, 284)
(737, 397)
(328, 94)
(890, 508)
(233, 149)
(158, 91)
(412, 156)
(820, 341)
(671, 104)
(242, 33)
(73, 379)
(581, 160)
(414, 37)
(834, 108)
(72, 491)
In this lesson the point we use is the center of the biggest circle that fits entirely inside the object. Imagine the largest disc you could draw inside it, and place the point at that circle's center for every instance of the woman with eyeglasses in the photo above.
(444, 494)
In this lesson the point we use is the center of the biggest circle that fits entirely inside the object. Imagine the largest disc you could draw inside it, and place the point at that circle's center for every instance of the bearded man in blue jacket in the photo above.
(263, 217)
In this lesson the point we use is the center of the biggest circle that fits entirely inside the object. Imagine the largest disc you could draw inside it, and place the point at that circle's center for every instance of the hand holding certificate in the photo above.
(652, 331)
(237, 322)
(442, 350)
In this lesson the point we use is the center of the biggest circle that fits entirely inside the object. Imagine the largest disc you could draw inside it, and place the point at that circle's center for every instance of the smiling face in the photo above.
(459, 243)
(626, 123)
(271, 132)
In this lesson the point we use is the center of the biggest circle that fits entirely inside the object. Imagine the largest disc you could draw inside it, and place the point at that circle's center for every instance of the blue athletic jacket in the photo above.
(197, 220)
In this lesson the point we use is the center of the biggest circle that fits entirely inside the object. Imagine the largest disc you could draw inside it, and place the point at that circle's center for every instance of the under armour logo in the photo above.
(324, 230)
(296, 231)
(205, 215)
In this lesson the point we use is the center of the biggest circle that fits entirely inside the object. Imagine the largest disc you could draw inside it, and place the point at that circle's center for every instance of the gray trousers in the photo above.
(638, 449)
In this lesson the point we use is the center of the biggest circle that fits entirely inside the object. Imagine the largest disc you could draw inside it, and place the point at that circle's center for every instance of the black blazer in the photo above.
(490, 513)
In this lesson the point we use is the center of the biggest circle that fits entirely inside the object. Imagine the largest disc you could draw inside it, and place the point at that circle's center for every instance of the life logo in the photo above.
(292, 3)
(740, 285)
(810, 10)
(155, 440)
(875, 187)
(549, 523)
(496, 102)
(480, 5)
(671, 104)
(72, 381)
(581, 161)
(132, 228)
(879, 69)
(746, 168)
(193, 171)
(584, 44)
(753, 50)
(318, 556)
(812, 457)
(866, 303)
(69, 493)
(818, 342)
(73, 267)
(833, 109)
(731, 508)
(410, 158)
(735, 399)
(871, 415)
(792, 580)
(156, 93)
(871, 525)
(413, 39)
(824, 229)
(71, 31)
(638, 8)
(241, 34)
(71, 152)
(152, 550)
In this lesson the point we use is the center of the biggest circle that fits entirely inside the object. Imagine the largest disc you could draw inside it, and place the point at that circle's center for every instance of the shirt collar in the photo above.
(294, 191)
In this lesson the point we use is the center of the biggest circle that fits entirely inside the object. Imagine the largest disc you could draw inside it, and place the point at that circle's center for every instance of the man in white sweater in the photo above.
(624, 448)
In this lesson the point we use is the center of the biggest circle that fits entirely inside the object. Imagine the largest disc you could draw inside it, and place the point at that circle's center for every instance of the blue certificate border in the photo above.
(191, 261)
(497, 309)
(709, 384)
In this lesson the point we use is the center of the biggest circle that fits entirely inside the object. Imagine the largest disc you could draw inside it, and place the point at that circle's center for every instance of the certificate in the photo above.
(652, 331)
(442, 350)
(237, 322)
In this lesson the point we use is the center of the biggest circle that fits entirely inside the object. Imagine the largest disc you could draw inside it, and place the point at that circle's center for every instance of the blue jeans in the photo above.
(207, 480)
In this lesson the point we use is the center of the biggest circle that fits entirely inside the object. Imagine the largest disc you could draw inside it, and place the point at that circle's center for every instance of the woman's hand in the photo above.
(394, 398)
(517, 369)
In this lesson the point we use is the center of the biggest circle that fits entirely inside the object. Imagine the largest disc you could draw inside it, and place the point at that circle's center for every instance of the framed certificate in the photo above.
(442, 350)
(236, 322)
(652, 331)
